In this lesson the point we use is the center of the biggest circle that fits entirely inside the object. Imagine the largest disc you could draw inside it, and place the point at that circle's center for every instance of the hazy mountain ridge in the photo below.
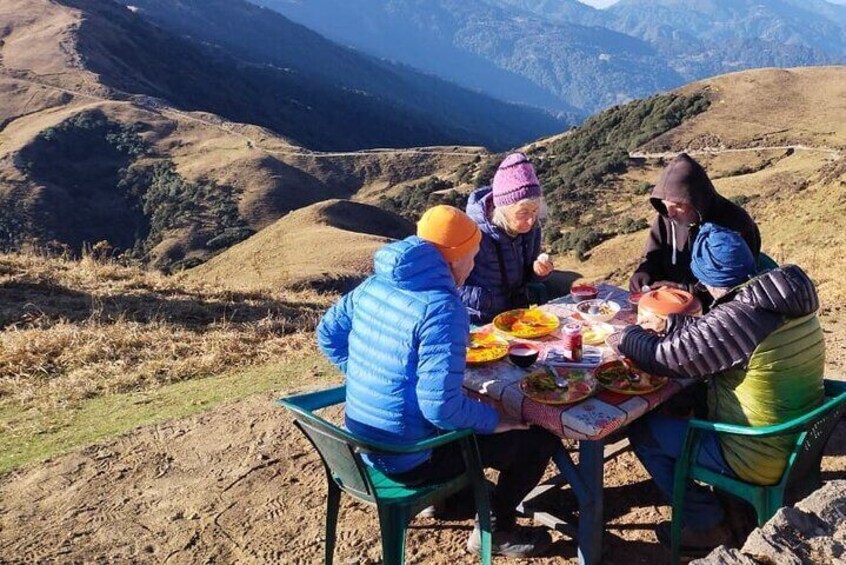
(588, 58)
(92, 149)
(266, 40)
(585, 67)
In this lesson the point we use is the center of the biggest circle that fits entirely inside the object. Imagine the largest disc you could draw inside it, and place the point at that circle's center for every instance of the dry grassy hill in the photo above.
(45, 84)
(326, 246)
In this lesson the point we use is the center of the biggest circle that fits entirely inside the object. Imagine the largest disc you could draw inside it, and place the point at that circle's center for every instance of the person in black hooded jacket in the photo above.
(685, 199)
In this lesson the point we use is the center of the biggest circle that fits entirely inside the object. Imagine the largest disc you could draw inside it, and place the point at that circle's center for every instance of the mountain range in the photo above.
(583, 57)
(170, 147)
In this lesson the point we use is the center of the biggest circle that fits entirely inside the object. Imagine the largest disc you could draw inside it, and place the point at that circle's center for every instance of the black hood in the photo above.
(684, 180)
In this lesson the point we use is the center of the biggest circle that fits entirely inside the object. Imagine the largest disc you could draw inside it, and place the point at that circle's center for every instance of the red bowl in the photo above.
(581, 292)
(523, 354)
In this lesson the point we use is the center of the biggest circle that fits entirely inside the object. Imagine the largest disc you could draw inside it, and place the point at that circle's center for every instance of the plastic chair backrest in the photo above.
(339, 449)
(810, 450)
(765, 263)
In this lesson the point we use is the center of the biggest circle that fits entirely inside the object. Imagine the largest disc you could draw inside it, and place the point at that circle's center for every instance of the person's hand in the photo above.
(669, 284)
(543, 265)
(651, 322)
(613, 341)
(638, 281)
(507, 424)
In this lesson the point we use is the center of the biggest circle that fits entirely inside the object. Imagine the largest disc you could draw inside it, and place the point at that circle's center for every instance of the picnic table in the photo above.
(589, 421)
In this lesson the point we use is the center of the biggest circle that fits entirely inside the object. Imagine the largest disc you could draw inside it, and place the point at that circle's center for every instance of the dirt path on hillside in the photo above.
(240, 484)
(832, 152)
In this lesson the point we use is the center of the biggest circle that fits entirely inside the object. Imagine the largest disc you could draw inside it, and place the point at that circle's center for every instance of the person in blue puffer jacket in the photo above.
(400, 339)
(509, 259)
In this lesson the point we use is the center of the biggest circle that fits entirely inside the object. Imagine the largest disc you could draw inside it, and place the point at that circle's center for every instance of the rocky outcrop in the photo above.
(813, 531)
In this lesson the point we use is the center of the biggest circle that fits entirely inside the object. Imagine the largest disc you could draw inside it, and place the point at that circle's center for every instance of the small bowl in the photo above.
(582, 292)
(611, 309)
(523, 354)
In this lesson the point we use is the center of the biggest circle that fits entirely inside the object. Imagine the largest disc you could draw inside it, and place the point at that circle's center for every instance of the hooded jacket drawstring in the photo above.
(673, 229)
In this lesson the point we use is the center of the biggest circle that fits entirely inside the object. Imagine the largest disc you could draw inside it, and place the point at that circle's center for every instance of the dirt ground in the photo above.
(240, 484)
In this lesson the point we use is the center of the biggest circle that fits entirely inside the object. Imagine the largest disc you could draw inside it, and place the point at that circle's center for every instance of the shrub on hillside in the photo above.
(116, 196)
(415, 199)
(572, 168)
(630, 225)
(741, 199)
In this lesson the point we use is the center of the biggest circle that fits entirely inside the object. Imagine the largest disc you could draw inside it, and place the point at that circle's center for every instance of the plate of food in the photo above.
(526, 323)
(597, 333)
(624, 378)
(598, 310)
(484, 347)
(558, 385)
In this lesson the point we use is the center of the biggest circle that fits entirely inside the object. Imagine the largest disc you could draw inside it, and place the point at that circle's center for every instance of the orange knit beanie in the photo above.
(450, 230)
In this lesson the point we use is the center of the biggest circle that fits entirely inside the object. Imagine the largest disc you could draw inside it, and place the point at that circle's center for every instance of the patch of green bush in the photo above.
(630, 225)
(573, 167)
(415, 199)
(114, 194)
(741, 199)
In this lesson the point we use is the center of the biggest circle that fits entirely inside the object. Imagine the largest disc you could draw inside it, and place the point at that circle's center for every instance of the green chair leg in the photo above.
(333, 502)
(484, 510)
(774, 499)
(393, 521)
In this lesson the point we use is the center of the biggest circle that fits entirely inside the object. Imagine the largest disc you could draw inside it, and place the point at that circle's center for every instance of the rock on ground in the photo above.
(813, 531)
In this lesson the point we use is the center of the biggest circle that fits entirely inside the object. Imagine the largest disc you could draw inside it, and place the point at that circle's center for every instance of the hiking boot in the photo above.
(697, 542)
(516, 542)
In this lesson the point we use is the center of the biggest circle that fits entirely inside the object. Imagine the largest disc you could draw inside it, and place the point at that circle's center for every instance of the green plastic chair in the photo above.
(802, 472)
(765, 263)
(395, 502)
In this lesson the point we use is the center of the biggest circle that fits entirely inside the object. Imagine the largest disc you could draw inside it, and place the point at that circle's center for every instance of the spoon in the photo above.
(594, 308)
(559, 381)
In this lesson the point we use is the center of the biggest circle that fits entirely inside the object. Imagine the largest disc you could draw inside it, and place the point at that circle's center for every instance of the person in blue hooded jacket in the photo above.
(509, 259)
(400, 339)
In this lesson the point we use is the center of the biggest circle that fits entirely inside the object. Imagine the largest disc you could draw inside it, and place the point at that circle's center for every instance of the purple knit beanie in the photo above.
(515, 180)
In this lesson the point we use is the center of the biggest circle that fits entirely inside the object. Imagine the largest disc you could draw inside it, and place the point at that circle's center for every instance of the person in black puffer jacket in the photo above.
(763, 345)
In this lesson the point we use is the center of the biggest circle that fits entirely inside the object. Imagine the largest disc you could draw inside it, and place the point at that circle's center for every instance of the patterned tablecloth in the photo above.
(593, 418)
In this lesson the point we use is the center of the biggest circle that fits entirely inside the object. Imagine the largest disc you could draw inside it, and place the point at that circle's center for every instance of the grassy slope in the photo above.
(90, 349)
(29, 434)
(331, 240)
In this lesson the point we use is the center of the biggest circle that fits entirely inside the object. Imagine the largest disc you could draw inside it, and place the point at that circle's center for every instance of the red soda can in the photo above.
(573, 342)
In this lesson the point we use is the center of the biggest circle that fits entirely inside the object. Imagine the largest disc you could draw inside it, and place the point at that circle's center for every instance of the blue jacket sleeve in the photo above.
(440, 371)
(333, 332)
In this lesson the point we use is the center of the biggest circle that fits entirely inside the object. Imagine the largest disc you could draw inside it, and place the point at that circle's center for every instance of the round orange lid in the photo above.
(667, 300)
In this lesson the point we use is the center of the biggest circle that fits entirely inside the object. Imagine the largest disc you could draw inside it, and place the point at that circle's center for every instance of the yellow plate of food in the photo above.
(484, 347)
(596, 334)
(625, 378)
(526, 323)
(558, 385)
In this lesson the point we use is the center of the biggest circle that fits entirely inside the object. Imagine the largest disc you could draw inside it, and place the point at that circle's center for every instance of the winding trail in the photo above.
(834, 153)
